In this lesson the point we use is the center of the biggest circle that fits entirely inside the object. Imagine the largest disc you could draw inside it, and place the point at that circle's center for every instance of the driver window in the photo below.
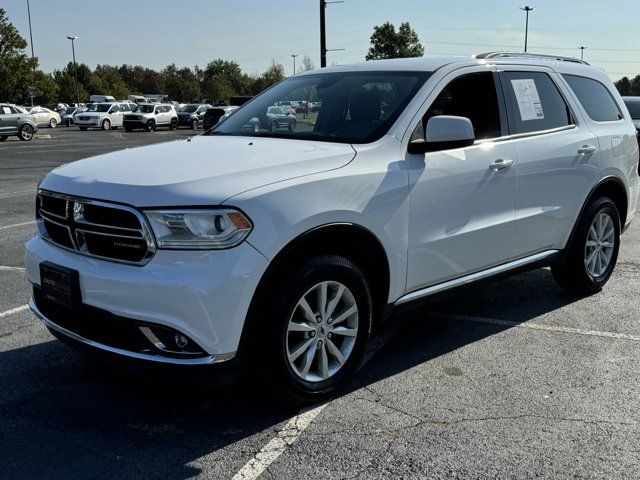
(472, 96)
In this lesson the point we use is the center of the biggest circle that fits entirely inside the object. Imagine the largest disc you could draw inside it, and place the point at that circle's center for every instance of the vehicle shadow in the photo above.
(62, 416)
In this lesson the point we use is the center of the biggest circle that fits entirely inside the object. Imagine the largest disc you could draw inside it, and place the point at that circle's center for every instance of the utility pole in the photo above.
(294, 63)
(582, 49)
(75, 68)
(30, 33)
(323, 33)
(526, 9)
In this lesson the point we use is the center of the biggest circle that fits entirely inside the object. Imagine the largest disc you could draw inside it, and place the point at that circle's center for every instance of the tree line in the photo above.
(629, 87)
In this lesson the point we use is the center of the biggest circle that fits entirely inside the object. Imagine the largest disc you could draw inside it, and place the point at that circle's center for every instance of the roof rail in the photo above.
(541, 56)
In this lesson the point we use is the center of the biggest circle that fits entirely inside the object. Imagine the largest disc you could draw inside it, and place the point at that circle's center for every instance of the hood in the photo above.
(187, 114)
(203, 171)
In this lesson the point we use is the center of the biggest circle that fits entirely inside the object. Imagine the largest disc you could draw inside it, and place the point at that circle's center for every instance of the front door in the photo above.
(462, 201)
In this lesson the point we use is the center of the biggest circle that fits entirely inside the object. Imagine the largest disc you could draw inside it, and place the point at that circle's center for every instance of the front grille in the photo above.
(84, 119)
(132, 117)
(98, 229)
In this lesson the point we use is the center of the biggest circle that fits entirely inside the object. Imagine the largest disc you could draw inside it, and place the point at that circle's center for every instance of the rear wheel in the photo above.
(174, 124)
(593, 252)
(106, 124)
(315, 325)
(26, 133)
(53, 123)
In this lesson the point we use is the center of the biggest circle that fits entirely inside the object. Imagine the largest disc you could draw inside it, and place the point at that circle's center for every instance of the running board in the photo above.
(474, 277)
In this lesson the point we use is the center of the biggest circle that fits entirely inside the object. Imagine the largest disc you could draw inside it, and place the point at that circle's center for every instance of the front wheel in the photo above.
(593, 251)
(194, 124)
(151, 126)
(314, 329)
(292, 126)
(106, 125)
(26, 133)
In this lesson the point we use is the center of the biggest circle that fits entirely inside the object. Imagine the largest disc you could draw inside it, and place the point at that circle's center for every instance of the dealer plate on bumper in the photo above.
(60, 285)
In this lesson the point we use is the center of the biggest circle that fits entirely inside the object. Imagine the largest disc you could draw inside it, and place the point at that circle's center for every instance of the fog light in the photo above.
(181, 340)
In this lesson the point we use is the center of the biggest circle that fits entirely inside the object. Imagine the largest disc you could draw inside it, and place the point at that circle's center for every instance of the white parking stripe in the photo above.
(18, 225)
(539, 326)
(14, 310)
(21, 192)
(292, 430)
(11, 269)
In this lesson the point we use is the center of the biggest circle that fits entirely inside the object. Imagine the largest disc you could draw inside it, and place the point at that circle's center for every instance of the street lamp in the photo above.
(526, 9)
(582, 49)
(75, 68)
(294, 63)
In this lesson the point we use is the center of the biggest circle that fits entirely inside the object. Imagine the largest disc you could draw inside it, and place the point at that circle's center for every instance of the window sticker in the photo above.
(528, 99)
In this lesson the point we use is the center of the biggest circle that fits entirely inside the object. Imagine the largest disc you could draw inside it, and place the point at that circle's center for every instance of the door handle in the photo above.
(500, 164)
(587, 150)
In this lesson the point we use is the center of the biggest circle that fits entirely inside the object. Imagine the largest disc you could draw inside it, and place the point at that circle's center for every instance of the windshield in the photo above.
(92, 107)
(354, 107)
(102, 107)
(143, 108)
(189, 108)
(634, 109)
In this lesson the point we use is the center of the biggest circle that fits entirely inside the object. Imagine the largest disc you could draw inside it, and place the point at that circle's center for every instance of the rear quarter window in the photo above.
(535, 103)
(595, 98)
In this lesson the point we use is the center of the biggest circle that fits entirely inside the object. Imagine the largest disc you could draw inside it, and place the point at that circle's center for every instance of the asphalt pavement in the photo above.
(512, 379)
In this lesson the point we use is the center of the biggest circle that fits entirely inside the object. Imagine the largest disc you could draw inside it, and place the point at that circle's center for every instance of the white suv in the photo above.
(280, 250)
(149, 117)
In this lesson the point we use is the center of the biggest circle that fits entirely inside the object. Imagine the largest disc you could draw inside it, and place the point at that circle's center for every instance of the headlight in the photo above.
(198, 229)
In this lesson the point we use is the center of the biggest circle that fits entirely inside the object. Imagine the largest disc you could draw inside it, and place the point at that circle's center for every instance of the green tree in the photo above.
(218, 87)
(386, 42)
(18, 71)
(624, 86)
(635, 86)
(181, 84)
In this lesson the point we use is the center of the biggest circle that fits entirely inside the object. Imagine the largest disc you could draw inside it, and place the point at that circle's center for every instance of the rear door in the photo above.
(558, 158)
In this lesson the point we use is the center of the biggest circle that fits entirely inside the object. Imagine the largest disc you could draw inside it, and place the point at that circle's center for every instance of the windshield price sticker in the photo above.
(528, 99)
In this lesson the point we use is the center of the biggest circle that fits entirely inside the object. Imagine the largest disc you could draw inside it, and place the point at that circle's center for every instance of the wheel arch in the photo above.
(612, 187)
(353, 241)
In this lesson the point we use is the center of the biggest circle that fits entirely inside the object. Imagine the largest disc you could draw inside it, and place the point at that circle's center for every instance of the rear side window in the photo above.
(535, 103)
(594, 98)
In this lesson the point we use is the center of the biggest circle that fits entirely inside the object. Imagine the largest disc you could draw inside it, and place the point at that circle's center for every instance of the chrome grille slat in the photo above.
(97, 239)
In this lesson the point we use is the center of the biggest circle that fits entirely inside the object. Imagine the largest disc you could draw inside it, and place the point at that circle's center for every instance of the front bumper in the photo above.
(203, 294)
(135, 123)
(88, 123)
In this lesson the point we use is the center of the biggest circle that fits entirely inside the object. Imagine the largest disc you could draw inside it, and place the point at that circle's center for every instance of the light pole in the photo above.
(294, 62)
(582, 49)
(526, 9)
(323, 32)
(75, 68)
(30, 34)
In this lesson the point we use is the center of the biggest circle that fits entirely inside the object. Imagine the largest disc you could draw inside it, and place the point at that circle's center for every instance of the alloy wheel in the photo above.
(599, 246)
(322, 331)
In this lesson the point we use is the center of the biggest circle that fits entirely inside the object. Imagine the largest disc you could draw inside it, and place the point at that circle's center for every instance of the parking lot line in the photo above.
(539, 326)
(294, 427)
(14, 310)
(21, 192)
(11, 269)
(18, 225)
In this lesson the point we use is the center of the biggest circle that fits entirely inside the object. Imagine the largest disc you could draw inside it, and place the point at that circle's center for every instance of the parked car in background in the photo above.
(278, 117)
(633, 105)
(150, 117)
(139, 99)
(218, 114)
(102, 115)
(44, 116)
(14, 121)
(101, 99)
(192, 115)
(66, 115)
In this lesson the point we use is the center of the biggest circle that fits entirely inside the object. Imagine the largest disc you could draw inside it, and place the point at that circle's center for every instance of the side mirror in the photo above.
(445, 132)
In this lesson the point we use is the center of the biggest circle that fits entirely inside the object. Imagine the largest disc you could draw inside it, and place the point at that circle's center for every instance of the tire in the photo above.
(194, 125)
(174, 124)
(106, 124)
(593, 252)
(69, 123)
(274, 126)
(276, 344)
(84, 129)
(151, 126)
(292, 126)
(26, 133)
(3, 138)
(53, 123)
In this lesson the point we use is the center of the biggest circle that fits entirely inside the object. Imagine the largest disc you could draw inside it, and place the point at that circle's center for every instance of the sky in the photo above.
(155, 33)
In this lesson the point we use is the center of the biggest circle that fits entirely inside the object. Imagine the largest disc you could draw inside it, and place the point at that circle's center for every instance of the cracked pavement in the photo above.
(442, 397)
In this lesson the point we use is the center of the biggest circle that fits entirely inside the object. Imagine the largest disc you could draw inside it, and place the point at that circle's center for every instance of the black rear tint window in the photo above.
(595, 98)
(535, 103)
(634, 108)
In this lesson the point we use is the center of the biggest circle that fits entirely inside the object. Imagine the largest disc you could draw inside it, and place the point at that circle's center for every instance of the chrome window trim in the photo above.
(145, 229)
